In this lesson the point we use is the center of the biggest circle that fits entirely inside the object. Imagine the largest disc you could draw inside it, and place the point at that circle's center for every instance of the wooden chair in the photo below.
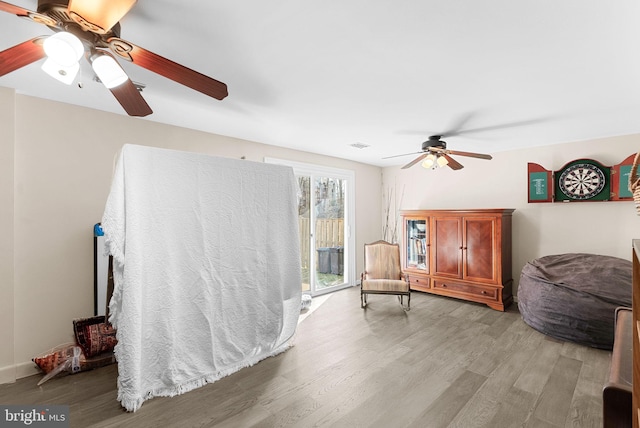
(383, 273)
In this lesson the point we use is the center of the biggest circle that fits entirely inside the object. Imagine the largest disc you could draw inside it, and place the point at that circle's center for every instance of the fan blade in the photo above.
(20, 55)
(453, 164)
(169, 69)
(415, 161)
(131, 99)
(506, 125)
(455, 128)
(469, 154)
(406, 154)
(458, 125)
(13, 9)
(458, 129)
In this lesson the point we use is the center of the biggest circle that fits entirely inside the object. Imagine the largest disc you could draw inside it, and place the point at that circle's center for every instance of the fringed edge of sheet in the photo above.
(118, 273)
(132, 403)
(114, 227)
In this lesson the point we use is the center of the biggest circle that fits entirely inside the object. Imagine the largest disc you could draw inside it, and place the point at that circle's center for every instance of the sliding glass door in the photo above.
(325, 212)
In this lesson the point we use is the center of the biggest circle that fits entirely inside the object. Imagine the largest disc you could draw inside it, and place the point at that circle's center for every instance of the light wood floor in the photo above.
(446, 363)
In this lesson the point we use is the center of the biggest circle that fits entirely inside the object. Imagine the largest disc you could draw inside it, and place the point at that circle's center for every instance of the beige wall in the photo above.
(64, 158)
(7, 137)
(538, 229)
(55, 177)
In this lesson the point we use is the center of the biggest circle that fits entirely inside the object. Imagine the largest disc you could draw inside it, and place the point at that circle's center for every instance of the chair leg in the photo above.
(401, 299)
(363, 299)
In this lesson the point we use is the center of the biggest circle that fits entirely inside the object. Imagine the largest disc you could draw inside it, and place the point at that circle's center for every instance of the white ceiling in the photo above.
(319, 76)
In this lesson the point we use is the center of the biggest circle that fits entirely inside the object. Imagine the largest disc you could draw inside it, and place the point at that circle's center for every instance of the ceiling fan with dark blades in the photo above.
(434, 154)
(95, 25)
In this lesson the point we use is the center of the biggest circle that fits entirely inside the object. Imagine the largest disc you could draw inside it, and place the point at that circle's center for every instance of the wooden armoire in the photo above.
(459, 253)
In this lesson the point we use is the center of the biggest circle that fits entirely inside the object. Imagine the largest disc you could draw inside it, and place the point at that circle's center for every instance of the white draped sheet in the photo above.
(206, 268)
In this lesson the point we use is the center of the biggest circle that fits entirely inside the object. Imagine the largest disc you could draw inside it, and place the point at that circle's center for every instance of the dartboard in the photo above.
(582, 181)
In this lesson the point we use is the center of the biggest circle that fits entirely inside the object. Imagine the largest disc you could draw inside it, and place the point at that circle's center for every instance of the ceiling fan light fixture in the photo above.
(429, 161)
(108, 70)
(442, 161)
(64, 74)
(64, 48)
(99, 16)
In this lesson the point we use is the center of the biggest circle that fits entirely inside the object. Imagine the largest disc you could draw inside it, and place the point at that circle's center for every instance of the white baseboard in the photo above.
(7, 374)
(28, 368)
(10, 374)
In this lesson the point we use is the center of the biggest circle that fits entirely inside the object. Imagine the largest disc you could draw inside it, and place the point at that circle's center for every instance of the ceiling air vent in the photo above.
(359, 145)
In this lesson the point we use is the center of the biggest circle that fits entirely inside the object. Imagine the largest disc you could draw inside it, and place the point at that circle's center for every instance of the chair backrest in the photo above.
(382, 260)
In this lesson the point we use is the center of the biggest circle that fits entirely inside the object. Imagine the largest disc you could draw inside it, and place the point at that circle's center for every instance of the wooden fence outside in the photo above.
(329, 233)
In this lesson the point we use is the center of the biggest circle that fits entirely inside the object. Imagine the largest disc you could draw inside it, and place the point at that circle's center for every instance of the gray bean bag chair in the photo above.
(574, 296)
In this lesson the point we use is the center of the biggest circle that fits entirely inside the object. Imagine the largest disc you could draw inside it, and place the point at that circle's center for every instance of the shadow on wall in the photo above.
(525, 230)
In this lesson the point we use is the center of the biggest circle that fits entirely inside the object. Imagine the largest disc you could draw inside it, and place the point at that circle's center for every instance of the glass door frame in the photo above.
(349, 251)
